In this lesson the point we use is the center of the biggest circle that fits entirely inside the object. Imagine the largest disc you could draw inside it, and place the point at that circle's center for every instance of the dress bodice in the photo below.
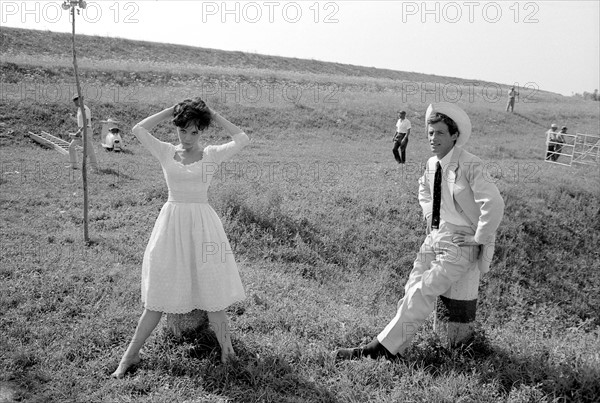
(189, 183)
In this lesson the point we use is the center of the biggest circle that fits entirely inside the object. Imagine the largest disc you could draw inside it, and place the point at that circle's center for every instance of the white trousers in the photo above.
(90, 150)
(438, 265)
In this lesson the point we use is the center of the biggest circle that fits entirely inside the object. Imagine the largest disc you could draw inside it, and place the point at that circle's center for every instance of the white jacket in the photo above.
(475, 196)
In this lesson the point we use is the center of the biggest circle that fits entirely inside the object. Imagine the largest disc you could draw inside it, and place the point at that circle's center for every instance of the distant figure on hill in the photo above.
(401, 137)
(554, 142)
(188, 263)
(561, 140)
(77, 138)
(463, 209)
(511, 99)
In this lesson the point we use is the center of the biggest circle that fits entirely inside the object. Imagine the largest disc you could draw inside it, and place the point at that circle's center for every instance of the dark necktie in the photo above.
(437, 196)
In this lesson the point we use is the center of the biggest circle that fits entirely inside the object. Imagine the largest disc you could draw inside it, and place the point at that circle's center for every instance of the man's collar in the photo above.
(444, 161)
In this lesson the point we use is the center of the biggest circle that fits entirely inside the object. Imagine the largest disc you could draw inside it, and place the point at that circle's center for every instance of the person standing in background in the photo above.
(552, 142)
(77, 138)
(401, 137)
(511, 99)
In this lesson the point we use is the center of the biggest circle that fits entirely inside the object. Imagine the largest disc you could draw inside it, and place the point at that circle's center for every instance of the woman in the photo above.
(188, 262)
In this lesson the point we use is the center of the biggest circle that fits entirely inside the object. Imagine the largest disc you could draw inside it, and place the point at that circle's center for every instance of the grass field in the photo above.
(324, 224)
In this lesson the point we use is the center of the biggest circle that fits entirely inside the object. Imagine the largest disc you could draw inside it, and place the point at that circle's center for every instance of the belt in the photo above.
(187, 197)
(445, 226)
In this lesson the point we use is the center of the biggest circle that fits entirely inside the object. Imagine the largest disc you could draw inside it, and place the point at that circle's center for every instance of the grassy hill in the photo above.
(324, 224)
(53, 44)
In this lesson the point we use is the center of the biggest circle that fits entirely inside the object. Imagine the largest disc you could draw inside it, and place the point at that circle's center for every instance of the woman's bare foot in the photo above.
(124, 366)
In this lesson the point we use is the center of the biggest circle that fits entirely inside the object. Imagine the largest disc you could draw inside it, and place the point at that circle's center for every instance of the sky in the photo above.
(547, 45)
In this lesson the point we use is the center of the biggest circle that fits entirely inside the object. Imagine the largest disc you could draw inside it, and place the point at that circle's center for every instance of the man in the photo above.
(401, 138)
(560, 139)
(111, 135)
(463, 209)
(511, 99)
(78, 136)
(552, 143)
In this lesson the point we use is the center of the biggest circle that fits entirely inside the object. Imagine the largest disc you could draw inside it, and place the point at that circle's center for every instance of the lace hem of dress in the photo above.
(188, 309)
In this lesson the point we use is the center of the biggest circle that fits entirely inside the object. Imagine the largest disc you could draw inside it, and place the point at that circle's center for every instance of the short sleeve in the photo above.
(156, 147)
(226, 151)
(88, 116)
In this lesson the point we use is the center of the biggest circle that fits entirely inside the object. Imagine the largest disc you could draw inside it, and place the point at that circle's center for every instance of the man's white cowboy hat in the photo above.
(455, 113)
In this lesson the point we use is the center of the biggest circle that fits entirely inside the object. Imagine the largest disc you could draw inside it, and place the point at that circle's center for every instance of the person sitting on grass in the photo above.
(188, 263)
(463, 209)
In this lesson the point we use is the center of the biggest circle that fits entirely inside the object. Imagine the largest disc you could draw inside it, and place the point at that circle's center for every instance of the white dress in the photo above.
(188, 263)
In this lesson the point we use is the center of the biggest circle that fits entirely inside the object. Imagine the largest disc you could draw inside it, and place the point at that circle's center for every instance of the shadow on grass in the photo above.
(122, 151)
(111, 171)
(21, 378)
(248, 377)
(520, 376)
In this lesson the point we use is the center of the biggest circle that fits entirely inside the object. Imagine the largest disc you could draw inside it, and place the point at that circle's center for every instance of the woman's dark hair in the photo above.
(192, 111)
(440, 117)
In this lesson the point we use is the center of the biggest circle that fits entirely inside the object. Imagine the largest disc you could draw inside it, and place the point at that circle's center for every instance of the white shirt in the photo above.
(88, 117)
(448, 212)
(552, 135)
(403, 125)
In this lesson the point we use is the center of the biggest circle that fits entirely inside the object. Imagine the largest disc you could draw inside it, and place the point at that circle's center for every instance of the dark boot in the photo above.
(372, 350)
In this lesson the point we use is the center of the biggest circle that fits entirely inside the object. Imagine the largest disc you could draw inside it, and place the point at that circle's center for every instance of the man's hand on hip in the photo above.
(463, 239)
